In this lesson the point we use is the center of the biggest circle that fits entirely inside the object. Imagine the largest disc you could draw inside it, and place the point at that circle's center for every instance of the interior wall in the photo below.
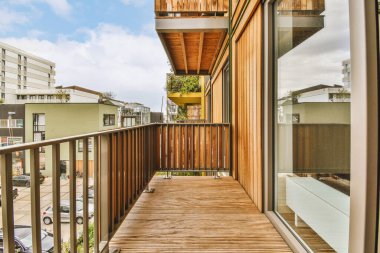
(247, 102)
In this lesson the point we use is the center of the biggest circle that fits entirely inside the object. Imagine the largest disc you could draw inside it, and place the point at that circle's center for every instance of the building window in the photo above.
(3, 95)
(226, 93)
(38, 126)
(11, 123)
(19, 87)
(311, 130)
(14, 140)
(109, 119)
(32, 97)
(42, 97)
(80, 145)
(39, 133)
(209, 107)
(2, 84)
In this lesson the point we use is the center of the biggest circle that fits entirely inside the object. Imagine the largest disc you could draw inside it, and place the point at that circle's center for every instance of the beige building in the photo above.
(50, 121)
(21, 71)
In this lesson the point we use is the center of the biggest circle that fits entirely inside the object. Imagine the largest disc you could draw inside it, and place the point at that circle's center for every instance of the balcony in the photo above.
(192, 213)
(197, 214)
(192, 32)
(299, 21)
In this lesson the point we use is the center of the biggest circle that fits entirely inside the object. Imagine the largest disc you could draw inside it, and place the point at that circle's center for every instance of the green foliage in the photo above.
(182, 84)
(66, 245)
(182, 113)
(108, 95)
(62, 95)
(1, 101)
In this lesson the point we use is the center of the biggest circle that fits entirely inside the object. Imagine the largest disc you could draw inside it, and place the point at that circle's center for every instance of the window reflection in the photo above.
(312, 125)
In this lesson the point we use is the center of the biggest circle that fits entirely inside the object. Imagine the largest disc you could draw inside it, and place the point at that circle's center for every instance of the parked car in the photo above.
(24, 180)
(23, 240)
(90, 192)
(42, 177)
(14, 193)
(47, 215)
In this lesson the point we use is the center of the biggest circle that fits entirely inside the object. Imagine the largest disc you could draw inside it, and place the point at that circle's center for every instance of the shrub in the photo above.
(66, 245)
(182, 84)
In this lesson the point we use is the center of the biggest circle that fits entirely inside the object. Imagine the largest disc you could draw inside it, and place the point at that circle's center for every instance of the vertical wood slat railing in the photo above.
(191, 6)
(302, 5)
(125, 160)
(194, 147)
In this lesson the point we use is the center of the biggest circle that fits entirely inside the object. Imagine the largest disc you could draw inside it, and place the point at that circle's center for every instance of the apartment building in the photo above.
(346, 71)
(22, 71)
(57, 120)
(134, 114)
(171, 111)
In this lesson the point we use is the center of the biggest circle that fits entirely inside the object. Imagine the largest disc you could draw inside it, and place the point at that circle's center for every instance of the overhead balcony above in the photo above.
(192, 33)
(298, 20)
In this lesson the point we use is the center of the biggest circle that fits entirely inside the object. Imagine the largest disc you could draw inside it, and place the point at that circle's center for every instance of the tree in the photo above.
(182, 84)
(62, 95)
(182, 113)
(108, 95)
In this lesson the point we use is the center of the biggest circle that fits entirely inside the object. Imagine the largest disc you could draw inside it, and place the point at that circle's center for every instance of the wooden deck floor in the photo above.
(197, 214)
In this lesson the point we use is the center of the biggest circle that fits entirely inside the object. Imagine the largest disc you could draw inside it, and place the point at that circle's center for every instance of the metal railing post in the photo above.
(73, 202)
(96, 194)
(35, 199)
(85, 196)
(56, 197)
(7, 202)
(104, 204)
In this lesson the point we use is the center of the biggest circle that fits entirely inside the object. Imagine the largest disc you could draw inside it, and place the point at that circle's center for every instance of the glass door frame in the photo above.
(364, 125)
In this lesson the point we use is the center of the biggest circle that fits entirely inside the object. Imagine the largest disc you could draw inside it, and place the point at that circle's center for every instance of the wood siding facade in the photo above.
(244, 50)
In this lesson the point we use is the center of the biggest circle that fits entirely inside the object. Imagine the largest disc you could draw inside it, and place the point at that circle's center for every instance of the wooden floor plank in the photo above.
(197, 214)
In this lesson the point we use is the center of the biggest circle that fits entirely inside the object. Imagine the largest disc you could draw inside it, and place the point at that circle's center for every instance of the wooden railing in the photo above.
(123, 166)
(194, 147)
(299, 6)
(301, 143)
(163, 7)
(124, 161)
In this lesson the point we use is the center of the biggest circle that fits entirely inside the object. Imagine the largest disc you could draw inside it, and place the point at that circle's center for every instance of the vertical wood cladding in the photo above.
(247, 103)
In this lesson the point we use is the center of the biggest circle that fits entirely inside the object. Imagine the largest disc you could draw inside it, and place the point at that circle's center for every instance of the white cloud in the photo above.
(10, 18)
(111, 59)
(60, 7)
(137, 3)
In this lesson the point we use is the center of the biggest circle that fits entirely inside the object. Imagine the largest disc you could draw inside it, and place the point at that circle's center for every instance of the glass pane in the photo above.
(312, 123)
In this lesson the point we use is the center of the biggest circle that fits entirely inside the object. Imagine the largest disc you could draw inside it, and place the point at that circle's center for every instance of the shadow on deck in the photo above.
(197, 214)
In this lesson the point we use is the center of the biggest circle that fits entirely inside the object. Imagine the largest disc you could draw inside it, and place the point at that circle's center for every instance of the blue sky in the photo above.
(107, 45)
(70, 17)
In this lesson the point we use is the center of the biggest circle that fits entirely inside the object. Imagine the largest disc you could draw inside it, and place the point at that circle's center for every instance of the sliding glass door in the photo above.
(312, 104)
